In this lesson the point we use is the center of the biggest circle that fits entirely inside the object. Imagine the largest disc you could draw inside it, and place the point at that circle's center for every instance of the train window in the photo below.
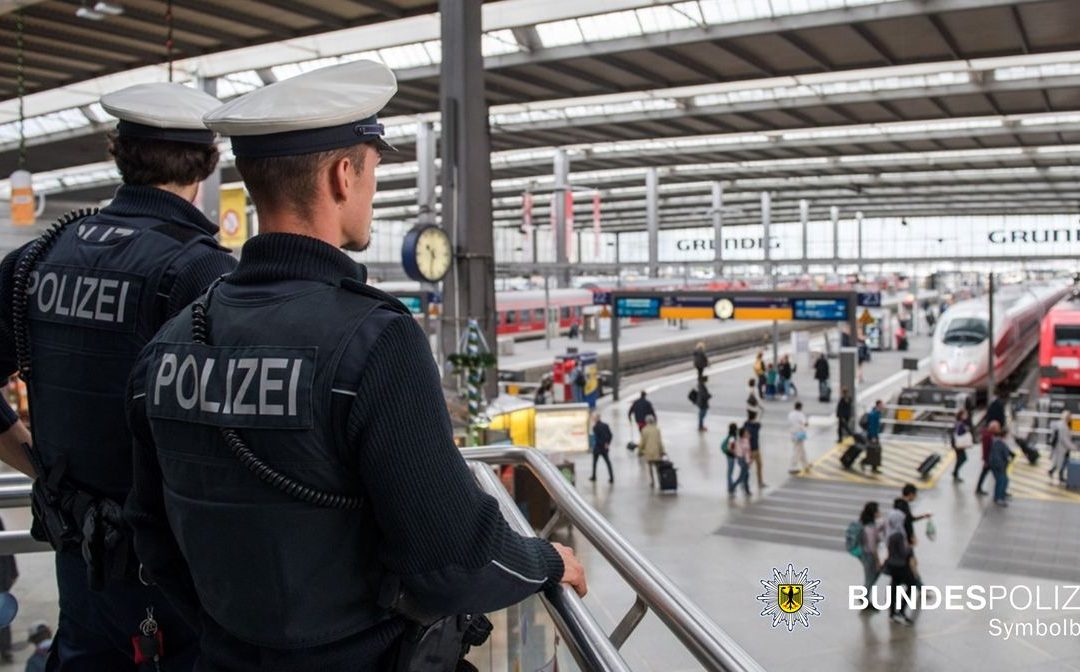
(538, 315)
(965, 331)
(511, 317)
(524, 316)
(1067, 335)
(565, 312)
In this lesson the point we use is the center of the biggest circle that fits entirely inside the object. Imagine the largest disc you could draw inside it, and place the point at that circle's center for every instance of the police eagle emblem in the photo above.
(790, 597)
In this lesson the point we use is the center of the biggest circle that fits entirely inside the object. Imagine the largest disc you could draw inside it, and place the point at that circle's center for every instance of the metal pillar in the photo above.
(858, 240)
(718, 228)
(834, 217)
(469, 289)
(848, 374)
(652, 219)
(990, 344)
(617, 249)
(425, 176)
(210, 189)
(558, 215)
(804, 219)
(766, 243)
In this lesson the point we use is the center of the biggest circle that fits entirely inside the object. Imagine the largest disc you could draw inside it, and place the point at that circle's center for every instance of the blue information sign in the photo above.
(826, 310)
(629, 306)
(413, 303)
(601, 298)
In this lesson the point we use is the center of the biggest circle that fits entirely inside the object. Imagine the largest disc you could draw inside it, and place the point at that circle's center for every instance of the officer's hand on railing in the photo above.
(573, 572)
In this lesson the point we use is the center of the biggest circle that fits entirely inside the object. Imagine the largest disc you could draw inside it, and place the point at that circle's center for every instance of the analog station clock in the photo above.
(426, 253)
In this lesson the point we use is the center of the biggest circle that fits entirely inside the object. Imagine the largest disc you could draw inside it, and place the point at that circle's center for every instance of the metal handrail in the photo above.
(589, 645)
(712, 647)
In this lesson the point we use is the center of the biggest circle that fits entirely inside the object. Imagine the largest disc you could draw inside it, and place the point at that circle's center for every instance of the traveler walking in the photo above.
(899, 563)
(701, 360)
(993, 428)
(962, 438)
(728, 448)
(755, 409)
(821, 375)
(652, 447)
(873, 533)
(873, 437)
(1061, 444)
(641, 409)
(701, 399)
(743, 454)
(759, 372)
(797, 424)
(601, 444)
(844, 411)
(771, 379)
(787, 371)
(1000, 456)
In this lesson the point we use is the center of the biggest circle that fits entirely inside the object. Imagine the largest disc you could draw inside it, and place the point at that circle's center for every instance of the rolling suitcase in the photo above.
(1031, 453)
(668, 476)
(1073, 475)
(851, 454)
(825, 395)
(927, 465)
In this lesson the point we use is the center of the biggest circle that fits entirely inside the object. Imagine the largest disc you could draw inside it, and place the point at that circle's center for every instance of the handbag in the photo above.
(800, 435)
(963, 441)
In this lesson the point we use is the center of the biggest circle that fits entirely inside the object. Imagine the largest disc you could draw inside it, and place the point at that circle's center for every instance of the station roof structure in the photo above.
(888, 107)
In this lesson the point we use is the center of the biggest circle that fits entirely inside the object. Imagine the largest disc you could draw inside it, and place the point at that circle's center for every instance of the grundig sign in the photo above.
(1002, 237)
(747, 243)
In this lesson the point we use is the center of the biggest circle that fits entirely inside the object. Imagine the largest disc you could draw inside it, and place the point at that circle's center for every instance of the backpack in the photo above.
(724, 446)
(853, 539)
(864, 421)
(692, 396)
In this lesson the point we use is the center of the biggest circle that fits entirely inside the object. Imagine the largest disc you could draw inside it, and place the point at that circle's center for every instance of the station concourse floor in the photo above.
(717, 550)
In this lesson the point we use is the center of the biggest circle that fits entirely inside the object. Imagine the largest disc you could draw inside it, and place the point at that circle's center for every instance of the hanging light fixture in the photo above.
(24, 209)
(84, 12)
(109, 8)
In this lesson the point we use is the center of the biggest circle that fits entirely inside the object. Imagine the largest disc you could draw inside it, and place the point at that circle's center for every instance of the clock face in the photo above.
(724, 309)
(433, 254)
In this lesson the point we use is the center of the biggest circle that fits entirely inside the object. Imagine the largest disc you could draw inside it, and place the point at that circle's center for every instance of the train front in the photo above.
(959, 355)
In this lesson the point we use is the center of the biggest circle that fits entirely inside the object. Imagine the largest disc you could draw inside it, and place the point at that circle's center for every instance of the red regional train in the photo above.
(1059, 346)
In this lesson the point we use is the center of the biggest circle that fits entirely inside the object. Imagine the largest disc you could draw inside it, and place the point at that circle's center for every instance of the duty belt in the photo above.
(68, 518)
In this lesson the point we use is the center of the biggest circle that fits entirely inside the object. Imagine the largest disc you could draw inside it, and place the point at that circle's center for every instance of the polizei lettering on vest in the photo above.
(79, 296)
(260, 386)
(192, 384)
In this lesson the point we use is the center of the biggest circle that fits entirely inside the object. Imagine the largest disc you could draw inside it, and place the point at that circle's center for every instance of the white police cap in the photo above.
(162, 111)
(317, 111)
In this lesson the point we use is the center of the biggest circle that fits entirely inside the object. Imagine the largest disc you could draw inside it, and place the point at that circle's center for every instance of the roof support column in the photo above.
(558, 216)
(834, 217)
(652, 219)
(858, 240)
(210, 189)
(469, 288)
(425, 172)
(804, 220)
(718, 228)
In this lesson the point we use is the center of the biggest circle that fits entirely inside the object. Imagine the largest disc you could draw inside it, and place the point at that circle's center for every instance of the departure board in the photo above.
(632, 306)
(413, 303)
(825, 310)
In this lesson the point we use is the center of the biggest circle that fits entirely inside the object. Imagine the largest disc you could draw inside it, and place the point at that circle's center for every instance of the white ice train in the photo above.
(959, 354)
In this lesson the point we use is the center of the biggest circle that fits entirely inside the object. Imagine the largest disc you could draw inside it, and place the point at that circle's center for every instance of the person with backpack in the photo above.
(701, 360)
(577, 382)
(700, 396)
(871, 424)
(1061, 444)
(862, 539)
(962, 438)
(771, 379)
(727, 447)
(743, 454)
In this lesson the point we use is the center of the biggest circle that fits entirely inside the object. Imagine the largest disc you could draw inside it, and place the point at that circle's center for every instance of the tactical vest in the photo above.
(95, 298)
(270, 569)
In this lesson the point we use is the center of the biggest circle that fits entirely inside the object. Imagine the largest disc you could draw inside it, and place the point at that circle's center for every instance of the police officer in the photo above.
(76, 307)
(297, 488)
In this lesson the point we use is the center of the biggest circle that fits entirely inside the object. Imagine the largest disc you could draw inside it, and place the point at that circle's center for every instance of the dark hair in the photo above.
(909, 489)
(290, 182)
(869, 512)
(743, 429)
(900, 504)
(643, 394)
(960, 413)
(798, 405)
(146, 162)
(733, 429)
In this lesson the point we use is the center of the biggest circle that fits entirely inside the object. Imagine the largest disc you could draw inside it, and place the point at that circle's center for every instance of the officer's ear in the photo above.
(341, 175)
